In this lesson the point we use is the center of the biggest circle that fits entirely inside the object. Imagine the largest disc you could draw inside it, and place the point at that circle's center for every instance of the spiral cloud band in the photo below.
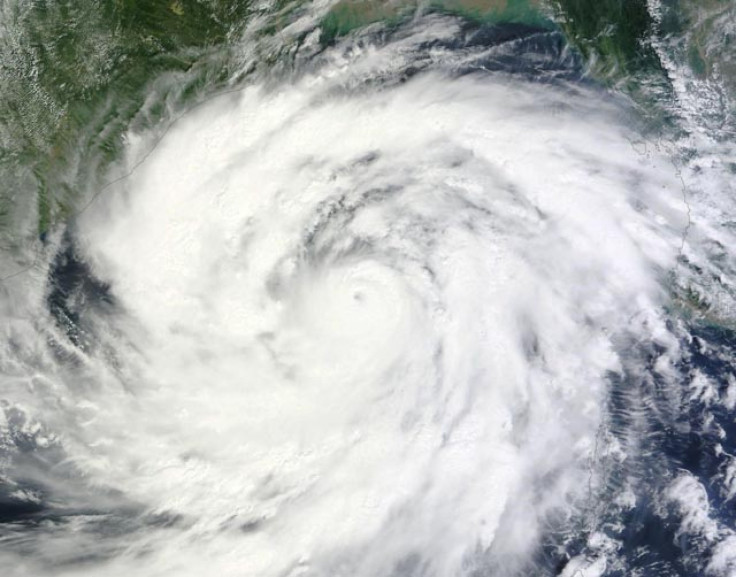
(357, 324)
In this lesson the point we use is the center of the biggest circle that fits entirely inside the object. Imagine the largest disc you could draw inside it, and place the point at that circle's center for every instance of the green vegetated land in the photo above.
(614, 34)
(704, 32)
(74, 75)
(77, 73)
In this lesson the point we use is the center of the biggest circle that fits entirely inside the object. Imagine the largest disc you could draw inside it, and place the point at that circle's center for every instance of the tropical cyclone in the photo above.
(364, 325)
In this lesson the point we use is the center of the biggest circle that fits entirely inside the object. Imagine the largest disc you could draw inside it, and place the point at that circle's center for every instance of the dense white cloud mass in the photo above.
(360, 327)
